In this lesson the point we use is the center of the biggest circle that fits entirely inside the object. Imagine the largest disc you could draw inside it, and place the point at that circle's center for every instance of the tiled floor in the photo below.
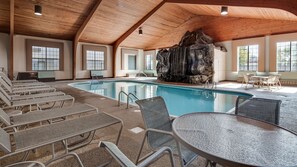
(130, 141)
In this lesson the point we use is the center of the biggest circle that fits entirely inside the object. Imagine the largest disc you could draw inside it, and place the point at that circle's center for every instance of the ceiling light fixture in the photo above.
(140, 31)
(38, 10)
(224, 10)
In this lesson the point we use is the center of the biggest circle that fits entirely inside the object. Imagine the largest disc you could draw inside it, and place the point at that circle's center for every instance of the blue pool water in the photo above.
(179, 100)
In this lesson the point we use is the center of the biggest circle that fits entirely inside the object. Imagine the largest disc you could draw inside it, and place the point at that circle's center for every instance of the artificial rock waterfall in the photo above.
(190, 61)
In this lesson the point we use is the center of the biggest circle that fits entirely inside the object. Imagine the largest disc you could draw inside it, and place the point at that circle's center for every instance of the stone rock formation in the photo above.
(191, 61)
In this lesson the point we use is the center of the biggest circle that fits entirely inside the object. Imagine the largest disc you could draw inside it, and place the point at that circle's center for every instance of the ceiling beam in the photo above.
(10, 64)
(79, 33)
(118, 42)
(287, 5)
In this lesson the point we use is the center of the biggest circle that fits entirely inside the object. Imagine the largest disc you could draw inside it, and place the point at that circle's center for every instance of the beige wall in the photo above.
(272, 42)
(267, 48)
(80, 73)
(20, 56)
(119, 62)
(4, 50)
(252, 41)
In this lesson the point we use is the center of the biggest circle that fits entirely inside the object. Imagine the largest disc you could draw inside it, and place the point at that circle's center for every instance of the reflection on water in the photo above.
(179, 101)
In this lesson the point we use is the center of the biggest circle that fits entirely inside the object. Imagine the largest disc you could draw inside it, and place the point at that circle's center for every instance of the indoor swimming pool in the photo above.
(179, 100)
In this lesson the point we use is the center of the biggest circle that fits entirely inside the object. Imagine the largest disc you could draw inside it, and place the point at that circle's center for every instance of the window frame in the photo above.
(42, 43)
(135, 61)
(124, 58)
(151, 60)
(290, 66)
(248, 57)
(86, 48)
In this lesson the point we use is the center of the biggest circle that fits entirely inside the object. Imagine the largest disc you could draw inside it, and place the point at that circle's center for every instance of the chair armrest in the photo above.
(116, 153)
(156, 156)
(121, 158)
(160, 131)
(71, 154)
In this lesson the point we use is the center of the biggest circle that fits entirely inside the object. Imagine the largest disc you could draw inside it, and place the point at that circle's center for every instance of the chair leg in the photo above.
(140, 149)
(211, 163)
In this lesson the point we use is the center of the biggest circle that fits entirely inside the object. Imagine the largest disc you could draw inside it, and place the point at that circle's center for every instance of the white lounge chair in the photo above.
(25, 89)
(10, 82)
(17, 104)
(45, 115)
(33, 138)
(29, 96)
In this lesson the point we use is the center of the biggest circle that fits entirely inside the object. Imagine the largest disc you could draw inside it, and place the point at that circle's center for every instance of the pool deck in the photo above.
(130, 142)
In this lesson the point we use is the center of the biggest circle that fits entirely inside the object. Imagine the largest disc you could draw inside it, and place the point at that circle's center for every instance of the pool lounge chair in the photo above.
(158, 127)
(33, 138)
(259, 108)
(45, 115)
(114, 151)
(34, 102)
(17, 82)
(28, 89)
(29, 96)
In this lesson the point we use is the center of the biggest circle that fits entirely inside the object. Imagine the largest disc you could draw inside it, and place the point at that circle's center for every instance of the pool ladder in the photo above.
(213, 85)
(128, 98)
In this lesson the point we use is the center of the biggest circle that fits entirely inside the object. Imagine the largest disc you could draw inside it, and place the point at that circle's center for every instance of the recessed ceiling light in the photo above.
(140, 31)
(38, 10)
(224, 10)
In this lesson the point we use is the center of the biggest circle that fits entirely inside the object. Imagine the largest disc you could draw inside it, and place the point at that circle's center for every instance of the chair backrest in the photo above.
(259, 108)
(5, 141)
(3, 96)
(4, 118)
(272, 79)
(5, 78)
(246, 78)
(5, 85)
(155, 116)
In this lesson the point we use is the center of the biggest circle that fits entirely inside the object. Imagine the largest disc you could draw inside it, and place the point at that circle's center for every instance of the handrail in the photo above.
(140, 72)
(213, 85)
(133, 96)
(128, 97)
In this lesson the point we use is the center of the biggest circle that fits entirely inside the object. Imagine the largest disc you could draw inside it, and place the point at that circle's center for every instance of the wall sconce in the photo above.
(38, 10)
(140, 31)
(224, 10)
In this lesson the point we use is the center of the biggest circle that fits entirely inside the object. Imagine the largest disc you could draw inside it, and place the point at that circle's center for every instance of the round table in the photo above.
(233, 140)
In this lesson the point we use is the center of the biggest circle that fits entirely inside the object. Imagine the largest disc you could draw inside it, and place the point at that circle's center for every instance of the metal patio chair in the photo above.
(159, 130)
(259, 108)
(248, 80)
(114, 151)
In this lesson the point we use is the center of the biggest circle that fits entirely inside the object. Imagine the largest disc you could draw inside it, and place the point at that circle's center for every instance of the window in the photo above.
(129, 59)
(286, 56)
(45, 58)
(94, 57)
(248, 57)
(95, 60)
(149, 62)
(131, 62)
(44, 55)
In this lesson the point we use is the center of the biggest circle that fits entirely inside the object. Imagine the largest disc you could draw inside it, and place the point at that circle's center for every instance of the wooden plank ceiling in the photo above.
(61, 19)
(4, 16)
